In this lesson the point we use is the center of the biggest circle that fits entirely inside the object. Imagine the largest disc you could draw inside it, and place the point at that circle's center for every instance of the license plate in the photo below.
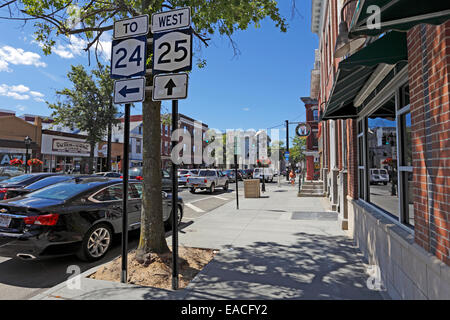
(195, 185)
(5, 221)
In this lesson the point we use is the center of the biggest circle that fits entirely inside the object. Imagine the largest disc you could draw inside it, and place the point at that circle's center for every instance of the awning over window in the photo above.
(354, 72)
(399, 15)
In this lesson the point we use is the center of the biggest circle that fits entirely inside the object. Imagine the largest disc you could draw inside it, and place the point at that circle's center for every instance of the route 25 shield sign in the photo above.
(172, 51)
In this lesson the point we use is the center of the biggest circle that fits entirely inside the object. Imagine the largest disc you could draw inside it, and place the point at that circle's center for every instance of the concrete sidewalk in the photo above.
(276, 247)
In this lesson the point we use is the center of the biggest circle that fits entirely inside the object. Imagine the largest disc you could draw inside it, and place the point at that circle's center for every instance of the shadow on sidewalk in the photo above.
(315, 267)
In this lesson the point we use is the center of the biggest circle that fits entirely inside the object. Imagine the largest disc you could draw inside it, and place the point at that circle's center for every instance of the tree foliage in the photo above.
(86, 106)
(297, 151)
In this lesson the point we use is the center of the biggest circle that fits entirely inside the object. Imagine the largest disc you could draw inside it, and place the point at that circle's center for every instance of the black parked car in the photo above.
(79, 216)
(15, 192)
(22, 181)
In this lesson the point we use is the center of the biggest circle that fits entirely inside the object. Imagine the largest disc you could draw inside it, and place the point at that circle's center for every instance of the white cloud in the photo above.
(17, 56)
(21, 108)
(20, 92)
(76, 47)
(246, 109)
(36, 94)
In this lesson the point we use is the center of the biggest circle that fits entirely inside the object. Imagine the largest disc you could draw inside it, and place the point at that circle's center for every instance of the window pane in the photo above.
(382, 159)
(408, 142)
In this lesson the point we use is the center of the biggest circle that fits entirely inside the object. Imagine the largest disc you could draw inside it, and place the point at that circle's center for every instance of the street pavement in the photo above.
(275, 247)
(23, 279)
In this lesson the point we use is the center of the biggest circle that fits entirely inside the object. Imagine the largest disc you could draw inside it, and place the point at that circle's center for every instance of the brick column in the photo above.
(429, 72)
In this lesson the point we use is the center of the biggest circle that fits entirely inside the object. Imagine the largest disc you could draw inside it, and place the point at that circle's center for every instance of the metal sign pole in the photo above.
(287, 147)
(174, 202)
(125, 165)
(236, 178)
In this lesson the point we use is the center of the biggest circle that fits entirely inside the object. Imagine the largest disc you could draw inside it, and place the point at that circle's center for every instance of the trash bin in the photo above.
(252, 188)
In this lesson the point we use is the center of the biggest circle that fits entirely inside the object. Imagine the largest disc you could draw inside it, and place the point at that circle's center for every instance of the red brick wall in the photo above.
(352, 159)
(429, 72)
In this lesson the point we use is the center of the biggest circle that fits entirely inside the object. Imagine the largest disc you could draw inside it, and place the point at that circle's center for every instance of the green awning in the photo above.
(399, 15)
(354, 72)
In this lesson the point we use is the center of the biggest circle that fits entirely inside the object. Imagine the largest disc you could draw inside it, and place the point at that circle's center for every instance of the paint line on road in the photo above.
(221, 198)
(196, 209)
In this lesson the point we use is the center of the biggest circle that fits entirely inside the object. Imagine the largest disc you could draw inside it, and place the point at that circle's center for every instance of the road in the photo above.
(24, 279)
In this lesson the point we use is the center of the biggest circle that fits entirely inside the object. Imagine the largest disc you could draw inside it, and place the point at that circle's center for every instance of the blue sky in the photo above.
(258, 89)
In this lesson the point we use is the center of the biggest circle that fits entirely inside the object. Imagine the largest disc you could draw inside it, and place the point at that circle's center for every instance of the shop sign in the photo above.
(69, 146)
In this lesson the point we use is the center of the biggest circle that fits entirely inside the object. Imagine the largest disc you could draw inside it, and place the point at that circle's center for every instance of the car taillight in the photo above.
(44, 220)
(188, 175)
(121, 177)
(205, 181)
(3, 192)
(139, 178)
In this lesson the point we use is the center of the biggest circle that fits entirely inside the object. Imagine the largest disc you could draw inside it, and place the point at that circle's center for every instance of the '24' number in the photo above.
(178, 48)
(135, 57)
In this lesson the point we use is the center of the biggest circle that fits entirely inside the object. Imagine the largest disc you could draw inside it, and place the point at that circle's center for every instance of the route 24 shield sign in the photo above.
(303, 130)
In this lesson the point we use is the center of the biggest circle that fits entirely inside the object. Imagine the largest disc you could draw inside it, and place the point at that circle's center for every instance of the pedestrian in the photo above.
(292, 177)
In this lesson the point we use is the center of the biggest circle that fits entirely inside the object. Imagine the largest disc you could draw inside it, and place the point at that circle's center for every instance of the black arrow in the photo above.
(124, 91)
(169, 86)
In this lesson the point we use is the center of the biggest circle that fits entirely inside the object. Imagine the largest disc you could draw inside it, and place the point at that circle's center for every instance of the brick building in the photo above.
(384, 135)
(312, 146)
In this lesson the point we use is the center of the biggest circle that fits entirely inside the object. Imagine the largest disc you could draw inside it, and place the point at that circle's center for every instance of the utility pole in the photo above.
(287, 146)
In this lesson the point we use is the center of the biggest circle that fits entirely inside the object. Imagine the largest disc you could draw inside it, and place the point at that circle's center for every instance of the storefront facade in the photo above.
(385, 139)
(66, 152)
(13, 132)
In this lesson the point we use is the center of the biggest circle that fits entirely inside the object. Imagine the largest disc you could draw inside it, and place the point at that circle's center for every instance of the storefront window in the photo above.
(385, 158)
(382, 160)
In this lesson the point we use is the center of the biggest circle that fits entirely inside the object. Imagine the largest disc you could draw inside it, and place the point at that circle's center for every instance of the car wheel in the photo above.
(225, 187)
(192, 190)
(96, 243)
(212, 188)
(385, 183)
(180, 217)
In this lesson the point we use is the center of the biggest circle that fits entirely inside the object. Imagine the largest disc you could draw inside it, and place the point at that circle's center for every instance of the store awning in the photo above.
(398, 15)
(355, 71)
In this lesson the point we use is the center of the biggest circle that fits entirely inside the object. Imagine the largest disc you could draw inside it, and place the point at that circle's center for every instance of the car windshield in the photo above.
(47, 182)
(382, 171)
(375, 172)
(207, 173)
(60, 191)
(18, 178)
(183, 172)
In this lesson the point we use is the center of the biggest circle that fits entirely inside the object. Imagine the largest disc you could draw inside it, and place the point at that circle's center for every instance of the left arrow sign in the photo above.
(129, 90)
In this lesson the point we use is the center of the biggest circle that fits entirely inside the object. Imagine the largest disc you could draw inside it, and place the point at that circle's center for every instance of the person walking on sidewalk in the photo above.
(292, 177)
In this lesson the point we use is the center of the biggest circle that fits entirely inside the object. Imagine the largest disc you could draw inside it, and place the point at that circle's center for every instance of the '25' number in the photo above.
(178, 48)
(135, 57)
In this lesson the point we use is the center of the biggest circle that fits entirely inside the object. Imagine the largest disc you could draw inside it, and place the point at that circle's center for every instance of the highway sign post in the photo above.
(128, 57)
(170, 87)
(129, 90)
(136, 26)
(128, 60)
(172, 53)
(170, 20)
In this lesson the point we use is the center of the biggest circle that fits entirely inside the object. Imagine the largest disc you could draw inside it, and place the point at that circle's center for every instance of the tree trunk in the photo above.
(91, 158)
(152, 238)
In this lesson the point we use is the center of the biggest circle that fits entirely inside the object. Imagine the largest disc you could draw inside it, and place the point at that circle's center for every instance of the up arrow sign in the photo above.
(169, 86)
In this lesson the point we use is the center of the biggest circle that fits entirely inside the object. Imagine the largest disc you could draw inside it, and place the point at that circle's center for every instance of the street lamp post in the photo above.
(263, 187)
(27, 141)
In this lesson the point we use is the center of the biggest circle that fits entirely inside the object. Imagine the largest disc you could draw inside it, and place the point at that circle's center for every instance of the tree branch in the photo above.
(7, 3)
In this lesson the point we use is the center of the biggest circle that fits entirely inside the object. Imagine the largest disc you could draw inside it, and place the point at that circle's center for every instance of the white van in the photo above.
(379, 176)
(268, 174)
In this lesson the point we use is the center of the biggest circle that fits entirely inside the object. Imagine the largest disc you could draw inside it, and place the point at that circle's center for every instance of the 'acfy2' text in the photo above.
(246, 309)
